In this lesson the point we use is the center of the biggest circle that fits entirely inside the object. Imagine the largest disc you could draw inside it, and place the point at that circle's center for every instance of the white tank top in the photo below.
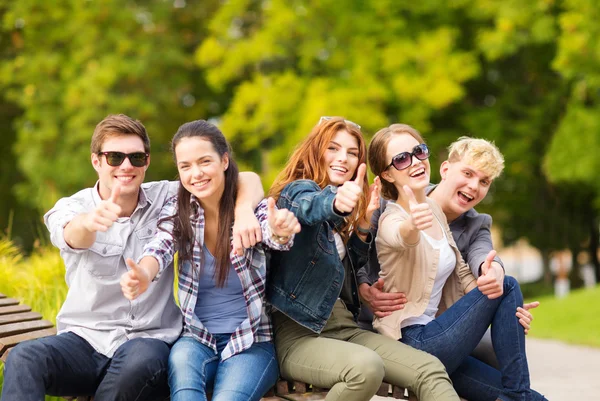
(446, 265)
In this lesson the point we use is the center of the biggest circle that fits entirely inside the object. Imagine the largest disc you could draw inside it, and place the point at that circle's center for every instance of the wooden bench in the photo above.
(18, 323)
(298, 391)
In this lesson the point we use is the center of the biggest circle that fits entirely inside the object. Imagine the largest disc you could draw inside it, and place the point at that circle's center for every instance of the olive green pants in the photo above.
(353, 362)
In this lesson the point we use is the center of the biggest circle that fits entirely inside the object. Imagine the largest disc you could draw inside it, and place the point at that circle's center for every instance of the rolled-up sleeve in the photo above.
(163, 246)
(58, 217)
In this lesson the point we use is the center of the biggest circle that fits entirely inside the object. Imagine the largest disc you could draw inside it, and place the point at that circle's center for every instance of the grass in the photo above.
(574, 319)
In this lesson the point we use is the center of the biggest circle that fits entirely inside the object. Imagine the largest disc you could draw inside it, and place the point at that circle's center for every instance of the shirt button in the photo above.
(104, 251)
(132, 317)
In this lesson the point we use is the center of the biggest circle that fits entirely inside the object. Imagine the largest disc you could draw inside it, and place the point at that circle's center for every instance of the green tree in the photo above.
(287, 63)
(78, 61)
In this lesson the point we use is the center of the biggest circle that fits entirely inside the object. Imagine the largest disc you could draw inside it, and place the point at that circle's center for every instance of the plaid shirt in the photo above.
(251, 270)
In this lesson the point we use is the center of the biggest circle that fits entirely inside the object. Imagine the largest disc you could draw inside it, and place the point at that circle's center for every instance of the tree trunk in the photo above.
(575, 274)
(547, 277)
(594, 238)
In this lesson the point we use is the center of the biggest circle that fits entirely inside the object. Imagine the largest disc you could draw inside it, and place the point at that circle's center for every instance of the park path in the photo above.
(561, 372)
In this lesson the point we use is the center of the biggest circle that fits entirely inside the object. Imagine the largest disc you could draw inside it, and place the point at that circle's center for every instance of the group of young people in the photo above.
(329, 281)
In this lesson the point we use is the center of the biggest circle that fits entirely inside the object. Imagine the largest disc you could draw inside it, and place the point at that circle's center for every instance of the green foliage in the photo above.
(572, 319)
(37, 281)
(373, 62)
(78, 61)
(524, 74)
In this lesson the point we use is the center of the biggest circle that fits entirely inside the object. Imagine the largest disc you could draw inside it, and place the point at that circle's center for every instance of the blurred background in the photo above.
(524, 74)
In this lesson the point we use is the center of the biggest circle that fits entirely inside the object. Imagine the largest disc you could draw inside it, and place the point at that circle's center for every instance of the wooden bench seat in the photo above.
(18, 323)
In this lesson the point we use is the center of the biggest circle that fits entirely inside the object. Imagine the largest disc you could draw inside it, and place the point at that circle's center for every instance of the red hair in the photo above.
(306, 162)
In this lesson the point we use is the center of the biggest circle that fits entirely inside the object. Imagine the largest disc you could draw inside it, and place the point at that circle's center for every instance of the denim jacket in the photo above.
(305, 282)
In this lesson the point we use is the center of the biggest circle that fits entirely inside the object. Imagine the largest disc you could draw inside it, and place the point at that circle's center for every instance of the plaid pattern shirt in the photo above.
(251, 270)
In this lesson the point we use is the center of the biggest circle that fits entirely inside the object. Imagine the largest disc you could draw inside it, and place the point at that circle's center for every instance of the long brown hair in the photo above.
(306, 162)
(183, 230)
(378, 154)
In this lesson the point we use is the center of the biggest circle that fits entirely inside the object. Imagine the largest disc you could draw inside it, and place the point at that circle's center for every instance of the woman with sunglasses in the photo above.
(313, 286)
(446, 314)
(226, 343)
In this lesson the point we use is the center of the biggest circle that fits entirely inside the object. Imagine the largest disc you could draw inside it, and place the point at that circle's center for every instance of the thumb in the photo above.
(360, 174)
(412, 200)
(379, 284)
(135, 268)
(116, 191)
(271, 207)
(488, 262)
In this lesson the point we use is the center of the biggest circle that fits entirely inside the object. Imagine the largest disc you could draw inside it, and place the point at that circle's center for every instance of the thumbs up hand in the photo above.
(105, 214)
(421, 215)
(349, 193)
(374, 198)
(282, 222)
(491, 279)
(136, 281)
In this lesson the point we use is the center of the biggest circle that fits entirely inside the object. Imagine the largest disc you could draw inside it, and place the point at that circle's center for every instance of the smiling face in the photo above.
(461, 189)
(341, 157)
(201, 169)
(129, 177)
(416, 176)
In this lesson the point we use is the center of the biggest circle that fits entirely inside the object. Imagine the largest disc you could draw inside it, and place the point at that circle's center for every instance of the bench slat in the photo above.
(304, 396)
(2, 296)
(8, 302)
(7, 343)
(20, 317)
(7, 310)
(18, 328)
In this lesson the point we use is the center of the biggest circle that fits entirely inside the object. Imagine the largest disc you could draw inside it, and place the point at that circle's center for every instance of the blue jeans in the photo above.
(455, 333)
(195, 370)
(67, 365)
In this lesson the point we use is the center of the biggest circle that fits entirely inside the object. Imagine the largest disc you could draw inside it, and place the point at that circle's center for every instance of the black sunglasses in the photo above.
(137, 159)
(404, 160)
(327, 118)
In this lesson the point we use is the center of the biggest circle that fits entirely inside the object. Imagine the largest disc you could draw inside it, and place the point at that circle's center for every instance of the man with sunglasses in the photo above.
(108, 346)
(467, 175)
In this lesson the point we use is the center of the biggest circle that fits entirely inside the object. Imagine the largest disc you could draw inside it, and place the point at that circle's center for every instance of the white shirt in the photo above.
(445, 267)
(95, 308)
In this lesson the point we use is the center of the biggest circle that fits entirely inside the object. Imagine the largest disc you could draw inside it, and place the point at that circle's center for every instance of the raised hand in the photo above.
(282, 222)
(421, 215)
(491, 279)
(136, 281)
(105, 214)
(349, 193)
(374, 198)
(246, 231)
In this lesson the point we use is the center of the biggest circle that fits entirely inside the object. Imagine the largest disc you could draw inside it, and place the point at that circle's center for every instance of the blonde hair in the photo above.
(481, 154)
(378, 154)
